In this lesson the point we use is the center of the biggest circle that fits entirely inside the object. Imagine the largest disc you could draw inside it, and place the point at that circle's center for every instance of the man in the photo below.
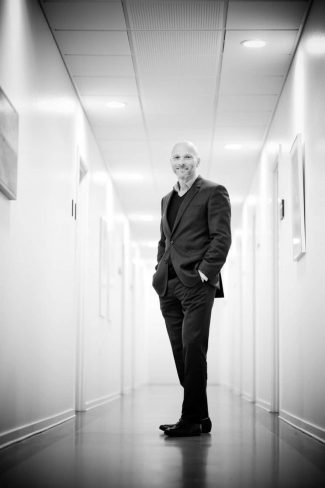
(194, 243)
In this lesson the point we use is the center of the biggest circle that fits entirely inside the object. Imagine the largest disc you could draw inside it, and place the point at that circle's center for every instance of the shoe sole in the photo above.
(164, 428)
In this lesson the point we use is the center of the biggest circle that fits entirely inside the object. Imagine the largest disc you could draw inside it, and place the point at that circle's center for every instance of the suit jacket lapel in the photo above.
(164, 215)
(187, 199)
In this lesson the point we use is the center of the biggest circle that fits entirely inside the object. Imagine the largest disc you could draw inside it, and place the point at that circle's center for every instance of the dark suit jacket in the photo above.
(200, 238)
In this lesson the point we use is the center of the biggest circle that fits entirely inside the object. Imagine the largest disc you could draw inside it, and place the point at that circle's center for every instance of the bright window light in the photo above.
(253, 43)
(233, 146)
(116, 104)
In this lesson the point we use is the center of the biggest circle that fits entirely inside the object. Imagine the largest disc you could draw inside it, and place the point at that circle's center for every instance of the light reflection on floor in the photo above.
(119, 445)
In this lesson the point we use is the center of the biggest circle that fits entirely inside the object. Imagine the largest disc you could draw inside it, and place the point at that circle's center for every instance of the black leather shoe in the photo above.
(182, 429)
(206, 426)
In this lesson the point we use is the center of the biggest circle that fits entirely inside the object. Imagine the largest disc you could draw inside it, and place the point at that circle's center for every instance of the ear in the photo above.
(198, 162)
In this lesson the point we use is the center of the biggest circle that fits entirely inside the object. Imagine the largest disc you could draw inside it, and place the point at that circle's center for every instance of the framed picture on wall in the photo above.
(298, 198)
(8, 147)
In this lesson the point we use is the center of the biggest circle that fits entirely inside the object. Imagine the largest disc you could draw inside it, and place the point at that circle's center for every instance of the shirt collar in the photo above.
(188, 184)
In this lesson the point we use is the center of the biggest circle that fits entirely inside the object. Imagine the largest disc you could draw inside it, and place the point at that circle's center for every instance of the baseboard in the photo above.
(20, 433)
(97, 402)
(307, 427)
(247, 397)
(264, 404)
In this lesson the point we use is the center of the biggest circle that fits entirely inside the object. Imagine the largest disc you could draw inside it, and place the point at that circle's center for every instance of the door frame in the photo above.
(275, 380)
(81, 217)
(254, 308)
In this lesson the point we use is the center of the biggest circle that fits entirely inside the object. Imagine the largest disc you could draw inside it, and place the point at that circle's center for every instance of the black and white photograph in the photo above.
(162, 209)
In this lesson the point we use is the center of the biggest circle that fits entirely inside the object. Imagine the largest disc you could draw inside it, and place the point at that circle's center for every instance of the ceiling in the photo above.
(180, 68)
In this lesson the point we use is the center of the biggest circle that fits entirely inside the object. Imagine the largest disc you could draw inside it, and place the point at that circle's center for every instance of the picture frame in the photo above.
(9, 121)
(298, 198)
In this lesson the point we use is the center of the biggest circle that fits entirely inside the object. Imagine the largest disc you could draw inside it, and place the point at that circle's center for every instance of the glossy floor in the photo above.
(119, 445)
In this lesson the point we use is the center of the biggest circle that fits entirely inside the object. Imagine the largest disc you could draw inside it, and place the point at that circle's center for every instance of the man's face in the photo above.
(184, 161)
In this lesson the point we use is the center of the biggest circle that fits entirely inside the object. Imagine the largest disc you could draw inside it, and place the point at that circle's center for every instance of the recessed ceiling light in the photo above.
(116, 104)
(254, 43)
(233, 147)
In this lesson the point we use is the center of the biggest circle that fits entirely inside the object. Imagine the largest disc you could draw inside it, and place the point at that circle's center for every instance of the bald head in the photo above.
(185, 160)
(188, 146)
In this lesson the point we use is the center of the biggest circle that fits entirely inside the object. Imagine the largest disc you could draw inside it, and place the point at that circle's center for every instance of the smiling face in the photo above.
(184, 160)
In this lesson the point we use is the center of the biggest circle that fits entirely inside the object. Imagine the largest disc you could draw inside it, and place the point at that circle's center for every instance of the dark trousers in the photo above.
(187, 313)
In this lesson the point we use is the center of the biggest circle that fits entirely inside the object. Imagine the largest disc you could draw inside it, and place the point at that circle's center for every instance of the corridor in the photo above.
(119, 445)
(94, 98)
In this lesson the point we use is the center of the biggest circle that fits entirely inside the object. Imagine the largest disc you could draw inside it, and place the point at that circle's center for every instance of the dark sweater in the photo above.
(173, 207)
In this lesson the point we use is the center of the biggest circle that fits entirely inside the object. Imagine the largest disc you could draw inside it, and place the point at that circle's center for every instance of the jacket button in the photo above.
(172, 242)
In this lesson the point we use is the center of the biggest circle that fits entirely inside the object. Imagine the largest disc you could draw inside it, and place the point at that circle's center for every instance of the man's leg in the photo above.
(171, 309)
(197, 304)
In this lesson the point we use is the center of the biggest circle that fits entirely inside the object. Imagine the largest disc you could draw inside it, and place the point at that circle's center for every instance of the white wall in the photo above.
(38, 236)
(301, 303)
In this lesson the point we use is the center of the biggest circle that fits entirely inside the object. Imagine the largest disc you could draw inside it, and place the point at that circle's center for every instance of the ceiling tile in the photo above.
(122, 132)
(125, 151)
(165, 86)
(159, 122)
(277, 43)
(93, 42)
(265, 15)
(177, 15)
(241, 134)
(83, 15)
(93, 85)
(116, 124)
(251, 85)
(137, 171)
(270, 65)
(186, 65)
(198, 106)
(98, 105)
(182, 53)
(79, 65)
(251, 118)
(247, 102)
(178, 133)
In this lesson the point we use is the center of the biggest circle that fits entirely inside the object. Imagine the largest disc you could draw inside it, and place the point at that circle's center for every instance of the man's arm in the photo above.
(161, 243)
(219, 216)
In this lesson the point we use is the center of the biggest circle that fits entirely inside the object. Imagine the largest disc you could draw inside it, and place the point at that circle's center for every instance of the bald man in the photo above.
(193, 246)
